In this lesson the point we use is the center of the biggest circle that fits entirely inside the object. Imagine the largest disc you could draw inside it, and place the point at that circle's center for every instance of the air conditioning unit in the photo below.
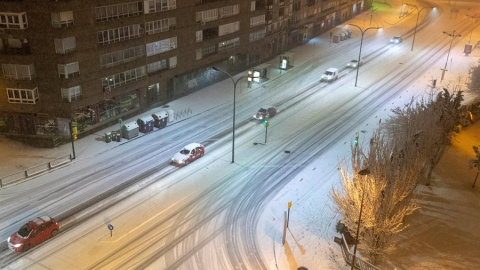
(107, 89)
(203, 23)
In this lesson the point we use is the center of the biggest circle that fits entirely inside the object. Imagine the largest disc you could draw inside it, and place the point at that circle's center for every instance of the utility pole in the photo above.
(453, 35)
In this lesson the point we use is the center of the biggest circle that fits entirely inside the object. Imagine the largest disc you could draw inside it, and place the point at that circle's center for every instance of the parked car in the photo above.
(188, 154)
(396, 40)
(33, 233)
(330, 75)
(263, 113)
(353, 63)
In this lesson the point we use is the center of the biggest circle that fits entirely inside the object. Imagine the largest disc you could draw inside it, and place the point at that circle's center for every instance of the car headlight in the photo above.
(17, 245)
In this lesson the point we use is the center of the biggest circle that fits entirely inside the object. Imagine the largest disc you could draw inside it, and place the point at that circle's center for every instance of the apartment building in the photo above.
(98, 61)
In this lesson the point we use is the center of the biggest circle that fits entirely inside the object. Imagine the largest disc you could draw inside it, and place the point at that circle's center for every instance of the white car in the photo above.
(396, 40)
(188, 154)
(353, 63)
(330, 75)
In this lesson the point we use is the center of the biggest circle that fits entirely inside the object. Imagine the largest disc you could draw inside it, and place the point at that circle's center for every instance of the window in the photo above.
(152, 6)
(172, 62)
(159, 25)
(206, 51)
(228, 11)
(62, 19)
(113, 12)
(13, 20)
(252, 6)
(123, 78)
(207, 15)
(123, 56)
(199, 35)
(228, 28)
(258, 20)
(257, 35)
(18, 72)
(71, 69)
(161, 46)
(229, 45)
(65, 45)
(24, 96)
(119, 34)
(72, 93)
(157, 66)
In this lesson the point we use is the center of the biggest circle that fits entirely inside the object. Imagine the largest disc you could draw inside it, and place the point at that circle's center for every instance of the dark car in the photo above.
(33, 233)
(265, 112)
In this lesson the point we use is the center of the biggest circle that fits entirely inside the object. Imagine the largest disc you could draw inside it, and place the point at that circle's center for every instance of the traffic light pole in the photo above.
(266, 128)
(71, 138)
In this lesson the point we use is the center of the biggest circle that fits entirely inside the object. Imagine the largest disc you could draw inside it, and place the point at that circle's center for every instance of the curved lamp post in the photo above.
(416, 24)
(234, 90)
(361, 43)
(364, 172)
(453, 35)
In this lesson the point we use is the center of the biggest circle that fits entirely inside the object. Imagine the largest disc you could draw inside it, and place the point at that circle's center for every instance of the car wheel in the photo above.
(187, 162)
(26, 247)
(54, 233)
(201, 155)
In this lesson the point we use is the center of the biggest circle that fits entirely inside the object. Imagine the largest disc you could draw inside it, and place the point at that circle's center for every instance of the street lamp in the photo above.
(361, 43)
(234, 90)
(453, 35)
(364, 172)
(418, 15)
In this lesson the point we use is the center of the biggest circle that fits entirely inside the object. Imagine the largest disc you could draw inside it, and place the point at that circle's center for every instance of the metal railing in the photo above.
(348, 256)
(33, 171)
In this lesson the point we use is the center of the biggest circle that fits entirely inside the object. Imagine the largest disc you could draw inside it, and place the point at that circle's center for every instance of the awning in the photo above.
(262, 66)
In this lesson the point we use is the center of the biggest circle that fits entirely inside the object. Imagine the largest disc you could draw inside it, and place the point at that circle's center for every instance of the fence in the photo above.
(348, 256)
(183, 113)
(35, 170)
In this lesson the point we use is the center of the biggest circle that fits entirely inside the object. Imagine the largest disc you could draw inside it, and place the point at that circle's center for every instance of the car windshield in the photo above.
(262, 110)
(24, 231)
(396, 38)
(354, 61)
(185, 151)
(328, 73)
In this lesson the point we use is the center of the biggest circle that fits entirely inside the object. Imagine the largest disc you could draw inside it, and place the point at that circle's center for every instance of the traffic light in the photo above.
(355, 142)
(266, 123)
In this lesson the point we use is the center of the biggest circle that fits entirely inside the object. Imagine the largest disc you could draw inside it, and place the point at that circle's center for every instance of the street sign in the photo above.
(289, 204)
(110, 227)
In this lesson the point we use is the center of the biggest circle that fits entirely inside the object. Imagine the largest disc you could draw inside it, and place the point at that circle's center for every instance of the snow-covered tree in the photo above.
(388, 193)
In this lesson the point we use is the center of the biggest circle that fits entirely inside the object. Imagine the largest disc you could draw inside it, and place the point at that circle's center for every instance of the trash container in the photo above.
(160, 119)
(114, 135)
(119, 137)
(145, 124)
(108, 137)
(171, 116)
(130, 130)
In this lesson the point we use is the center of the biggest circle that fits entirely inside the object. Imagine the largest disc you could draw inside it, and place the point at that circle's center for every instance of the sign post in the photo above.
(110, 227)
(288, 216)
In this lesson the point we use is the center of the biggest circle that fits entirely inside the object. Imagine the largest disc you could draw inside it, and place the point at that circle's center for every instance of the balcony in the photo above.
(64, 24)
(15, 48)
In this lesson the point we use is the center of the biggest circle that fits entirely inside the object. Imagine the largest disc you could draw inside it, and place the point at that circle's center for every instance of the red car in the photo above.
(33, 233)
(189, 154)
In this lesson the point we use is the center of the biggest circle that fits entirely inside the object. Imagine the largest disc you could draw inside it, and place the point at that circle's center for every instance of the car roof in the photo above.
(332, 69)
(192, 146)
(41, 220)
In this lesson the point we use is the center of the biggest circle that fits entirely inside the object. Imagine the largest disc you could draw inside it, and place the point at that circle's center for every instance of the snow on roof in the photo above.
(191, 146)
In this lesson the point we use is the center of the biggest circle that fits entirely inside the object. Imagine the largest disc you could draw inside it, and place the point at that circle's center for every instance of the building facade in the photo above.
(99, 61)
